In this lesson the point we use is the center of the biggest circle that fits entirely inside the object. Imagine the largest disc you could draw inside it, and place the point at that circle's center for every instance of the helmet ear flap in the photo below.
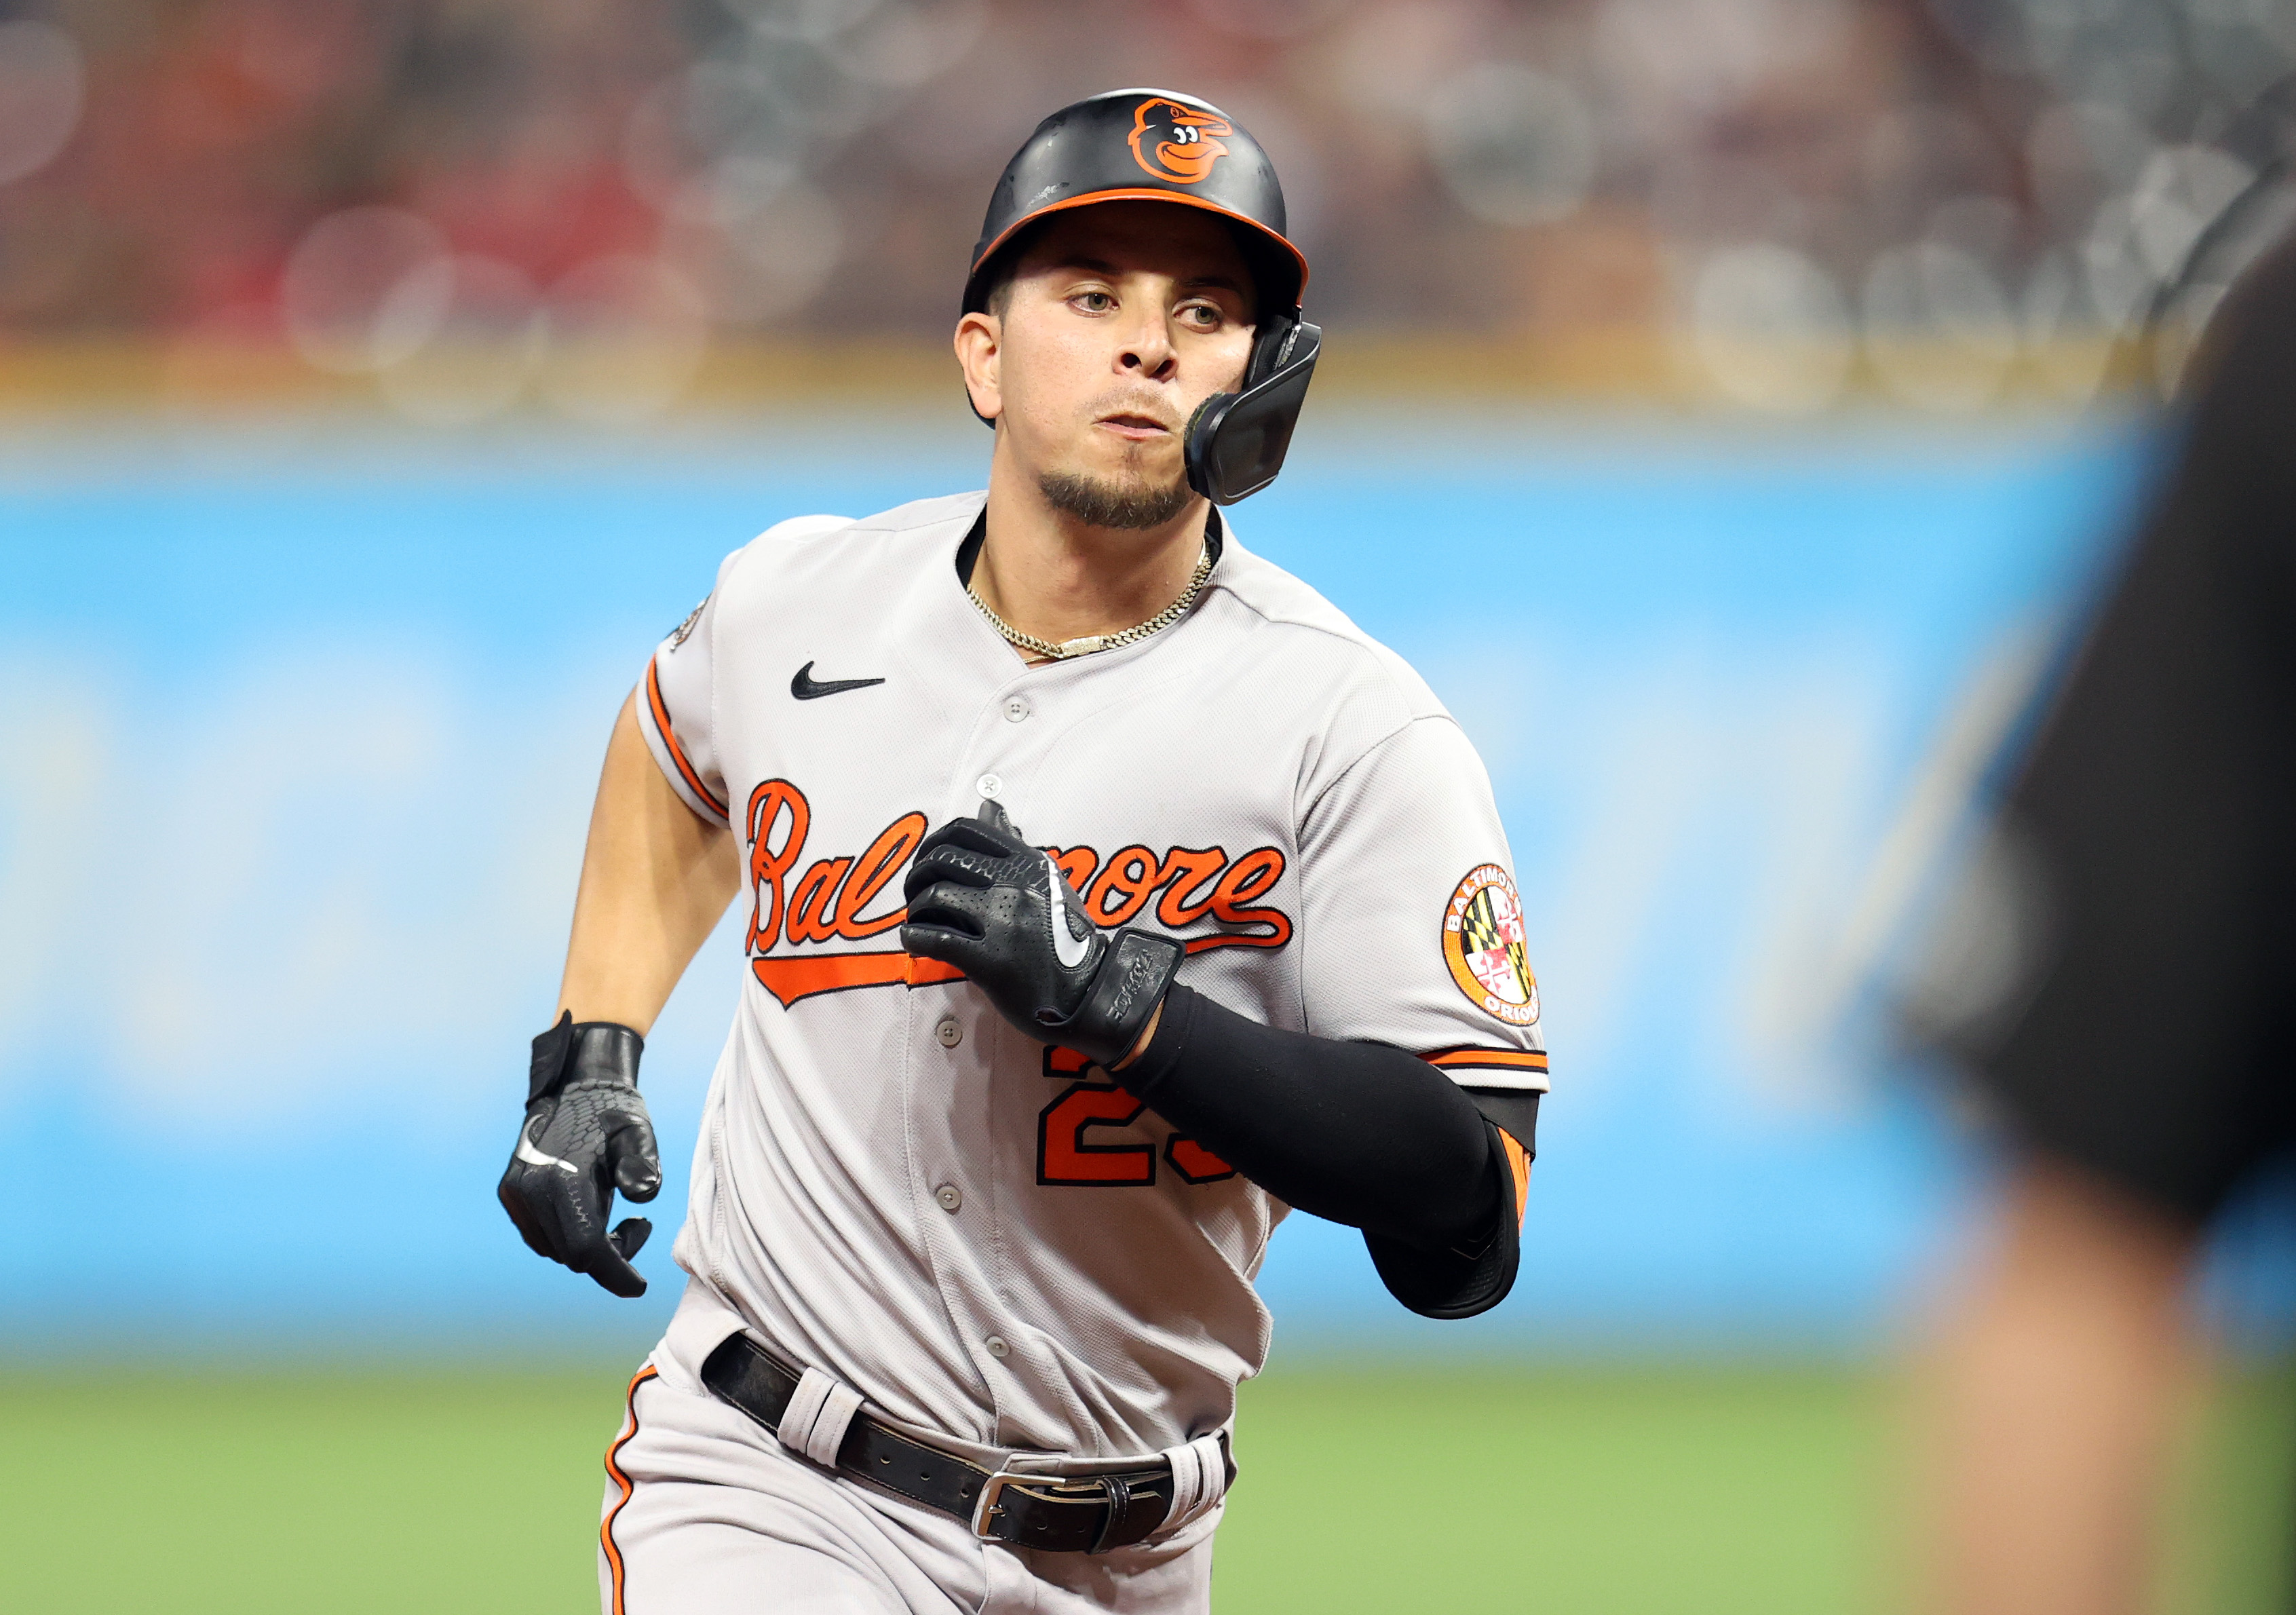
(1236, 441)
(1275, 338)
(1271, 346)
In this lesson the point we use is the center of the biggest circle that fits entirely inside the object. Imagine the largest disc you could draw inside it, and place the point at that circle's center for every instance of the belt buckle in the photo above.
(991, 1489)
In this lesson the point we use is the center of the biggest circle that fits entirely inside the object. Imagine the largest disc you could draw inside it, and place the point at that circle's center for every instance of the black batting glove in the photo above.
(998, 909)
(587, 1134)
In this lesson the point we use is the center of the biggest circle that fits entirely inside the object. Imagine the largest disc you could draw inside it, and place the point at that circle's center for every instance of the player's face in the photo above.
(1122, 318)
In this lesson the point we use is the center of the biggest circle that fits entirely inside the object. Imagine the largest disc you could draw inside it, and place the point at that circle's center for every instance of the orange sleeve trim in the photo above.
(676, 752)
(614, 1473)
(1487, 1060)
(1518, 1161)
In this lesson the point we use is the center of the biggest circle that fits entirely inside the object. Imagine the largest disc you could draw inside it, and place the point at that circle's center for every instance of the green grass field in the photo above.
(1575, 1490)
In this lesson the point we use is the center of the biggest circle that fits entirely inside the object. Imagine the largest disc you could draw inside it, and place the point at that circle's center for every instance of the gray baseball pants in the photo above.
(707, 1513)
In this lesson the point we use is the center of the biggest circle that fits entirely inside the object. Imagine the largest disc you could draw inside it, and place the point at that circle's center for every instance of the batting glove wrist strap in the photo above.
(1135, 973)
(593, 1051)
(984, 900)
(586, 1135)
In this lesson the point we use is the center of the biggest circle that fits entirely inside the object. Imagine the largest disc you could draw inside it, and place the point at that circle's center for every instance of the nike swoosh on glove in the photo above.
(983, 899)
(587, 1134)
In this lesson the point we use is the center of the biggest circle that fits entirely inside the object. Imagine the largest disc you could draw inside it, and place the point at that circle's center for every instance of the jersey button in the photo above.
(950, 1197)
(1016, 711)
(950, 1032)
(997, 1346)
(989, 785)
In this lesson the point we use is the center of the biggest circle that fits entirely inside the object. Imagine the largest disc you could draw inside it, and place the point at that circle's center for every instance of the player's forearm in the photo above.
(655, 881)
(2054, 1397)
(1359, 1132)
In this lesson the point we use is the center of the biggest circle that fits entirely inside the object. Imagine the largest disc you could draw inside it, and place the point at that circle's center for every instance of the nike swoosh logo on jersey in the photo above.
(532, 1157)
(1067, 947)
(806, 687)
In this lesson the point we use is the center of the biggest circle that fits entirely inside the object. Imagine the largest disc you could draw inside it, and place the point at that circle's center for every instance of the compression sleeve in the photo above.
(1359, 1132)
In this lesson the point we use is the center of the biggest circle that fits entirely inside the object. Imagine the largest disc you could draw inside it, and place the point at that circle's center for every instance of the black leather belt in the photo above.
(1083, 1514)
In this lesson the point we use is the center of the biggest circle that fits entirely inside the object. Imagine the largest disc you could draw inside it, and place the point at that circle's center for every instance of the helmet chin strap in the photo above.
(1236, 441)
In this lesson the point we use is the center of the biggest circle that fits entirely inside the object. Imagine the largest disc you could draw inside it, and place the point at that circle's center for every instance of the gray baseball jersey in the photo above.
(980, 1234)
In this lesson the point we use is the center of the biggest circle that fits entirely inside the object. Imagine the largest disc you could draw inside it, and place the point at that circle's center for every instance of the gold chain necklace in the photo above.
(1089, 643)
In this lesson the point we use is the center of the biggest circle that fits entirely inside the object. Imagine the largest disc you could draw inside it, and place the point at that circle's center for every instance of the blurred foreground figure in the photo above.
(2120, 981)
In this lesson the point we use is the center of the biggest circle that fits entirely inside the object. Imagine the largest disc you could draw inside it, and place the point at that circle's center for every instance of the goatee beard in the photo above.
(1129, 506)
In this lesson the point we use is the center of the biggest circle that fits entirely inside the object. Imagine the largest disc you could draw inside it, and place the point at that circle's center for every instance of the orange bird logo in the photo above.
(1177, 143)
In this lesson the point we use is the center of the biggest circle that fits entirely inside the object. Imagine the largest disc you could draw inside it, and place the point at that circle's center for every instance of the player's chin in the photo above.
(1118, 505)
(1126, 493)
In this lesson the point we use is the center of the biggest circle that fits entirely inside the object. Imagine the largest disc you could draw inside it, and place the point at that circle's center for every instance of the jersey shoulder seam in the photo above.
(1371, 749)
(1393, 672)
(901, 519)
(923, 513)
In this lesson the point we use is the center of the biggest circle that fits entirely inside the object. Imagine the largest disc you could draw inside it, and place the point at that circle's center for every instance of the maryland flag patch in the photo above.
(1483, 943)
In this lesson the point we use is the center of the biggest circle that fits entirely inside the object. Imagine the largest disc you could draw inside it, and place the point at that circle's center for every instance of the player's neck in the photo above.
(1050, 575)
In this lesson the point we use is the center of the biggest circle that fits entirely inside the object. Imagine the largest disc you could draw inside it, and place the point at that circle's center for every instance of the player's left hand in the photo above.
(586, 1135)
(983, 899)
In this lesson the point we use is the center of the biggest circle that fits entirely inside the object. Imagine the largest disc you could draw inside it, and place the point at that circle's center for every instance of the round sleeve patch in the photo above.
(1483, 943)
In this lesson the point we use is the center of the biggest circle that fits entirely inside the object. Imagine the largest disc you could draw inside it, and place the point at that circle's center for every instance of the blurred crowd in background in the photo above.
(1950, 202)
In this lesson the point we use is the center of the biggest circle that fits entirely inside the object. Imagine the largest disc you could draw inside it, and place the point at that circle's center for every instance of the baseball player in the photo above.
(1107, 894)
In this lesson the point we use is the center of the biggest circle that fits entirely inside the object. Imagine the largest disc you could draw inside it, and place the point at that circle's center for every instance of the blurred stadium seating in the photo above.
(458, 206)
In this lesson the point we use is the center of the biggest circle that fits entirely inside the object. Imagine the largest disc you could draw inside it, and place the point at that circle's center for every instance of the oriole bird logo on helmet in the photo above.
(1177, 143)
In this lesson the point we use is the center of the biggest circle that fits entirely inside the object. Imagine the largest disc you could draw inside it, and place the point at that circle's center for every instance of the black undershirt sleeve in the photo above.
(1359, 1132)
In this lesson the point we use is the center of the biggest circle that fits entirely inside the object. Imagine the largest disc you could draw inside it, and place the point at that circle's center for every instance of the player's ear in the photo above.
(980, 352)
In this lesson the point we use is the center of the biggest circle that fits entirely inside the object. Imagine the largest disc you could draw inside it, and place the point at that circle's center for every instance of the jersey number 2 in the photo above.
(1066, 1157)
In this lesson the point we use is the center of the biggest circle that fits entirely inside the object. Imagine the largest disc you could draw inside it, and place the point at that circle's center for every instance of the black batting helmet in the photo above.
(1145, 145)
(1158, 146)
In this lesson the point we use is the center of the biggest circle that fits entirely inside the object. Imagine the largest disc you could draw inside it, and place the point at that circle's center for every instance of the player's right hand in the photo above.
(586, 1135)
(981, 899)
